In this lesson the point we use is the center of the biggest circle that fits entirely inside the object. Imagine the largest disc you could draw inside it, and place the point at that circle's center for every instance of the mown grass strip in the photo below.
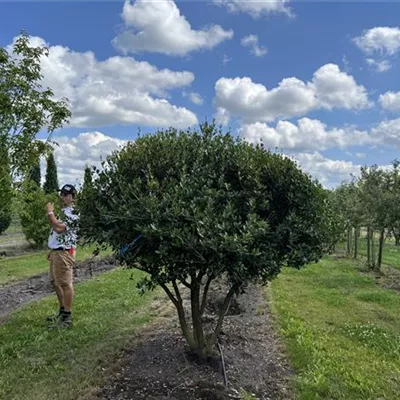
(38, 364)
(16, 268)
(342, 331)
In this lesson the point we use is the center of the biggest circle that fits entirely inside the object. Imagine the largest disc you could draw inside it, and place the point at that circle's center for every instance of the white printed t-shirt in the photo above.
(69, 237)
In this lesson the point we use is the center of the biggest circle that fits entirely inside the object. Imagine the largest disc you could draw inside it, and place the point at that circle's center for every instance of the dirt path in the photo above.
(15, 295)
(159, 367)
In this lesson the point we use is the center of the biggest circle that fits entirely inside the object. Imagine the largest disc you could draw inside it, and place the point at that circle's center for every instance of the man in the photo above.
(62, 244)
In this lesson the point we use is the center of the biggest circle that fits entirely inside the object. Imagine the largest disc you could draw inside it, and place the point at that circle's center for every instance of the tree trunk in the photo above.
(368, 247)
(372, 249)
(356, 236)
(205, 293)
(211, 341)
(198, 332)
(349, 241)
(178, 303)
(380, 251)
(396, 238)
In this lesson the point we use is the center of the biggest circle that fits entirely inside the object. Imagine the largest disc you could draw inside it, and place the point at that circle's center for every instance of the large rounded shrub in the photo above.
(198, 205)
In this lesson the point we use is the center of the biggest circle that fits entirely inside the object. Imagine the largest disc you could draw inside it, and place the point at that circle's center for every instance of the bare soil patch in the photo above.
(391, 279)
(15, 295)
(158, 365)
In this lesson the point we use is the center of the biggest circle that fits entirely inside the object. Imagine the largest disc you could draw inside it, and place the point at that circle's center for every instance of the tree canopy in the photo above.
(190, 207)
(26, 108)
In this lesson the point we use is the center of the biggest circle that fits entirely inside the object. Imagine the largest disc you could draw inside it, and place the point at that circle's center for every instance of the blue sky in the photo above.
(317, 80)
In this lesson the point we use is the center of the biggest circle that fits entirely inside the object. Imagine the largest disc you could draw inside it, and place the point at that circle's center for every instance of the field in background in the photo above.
(341, 329)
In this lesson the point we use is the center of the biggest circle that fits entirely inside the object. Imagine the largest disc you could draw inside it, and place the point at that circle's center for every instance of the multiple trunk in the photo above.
(353, 234)
(196, 338)
(374, 256)
(202, 343)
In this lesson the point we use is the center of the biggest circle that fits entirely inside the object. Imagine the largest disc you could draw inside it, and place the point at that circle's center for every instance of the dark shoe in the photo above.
(53, 318)
(62, 322)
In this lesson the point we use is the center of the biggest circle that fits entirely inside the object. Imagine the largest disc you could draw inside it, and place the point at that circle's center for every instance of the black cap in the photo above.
(68, 189)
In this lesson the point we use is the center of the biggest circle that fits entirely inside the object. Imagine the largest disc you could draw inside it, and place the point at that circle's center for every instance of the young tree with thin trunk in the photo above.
(349, 210)
(377, 194)
(26, 107)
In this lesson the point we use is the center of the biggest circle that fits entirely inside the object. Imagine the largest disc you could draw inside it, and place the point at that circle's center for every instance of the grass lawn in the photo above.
(38, 364)
(342, 331)
(17, 268)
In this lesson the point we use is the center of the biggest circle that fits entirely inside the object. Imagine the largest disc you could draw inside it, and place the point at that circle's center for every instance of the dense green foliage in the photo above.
(207, 206)
(25, 106)
(51, 180)
(6, 190)
(87, 178)
(33, 216)
(370, 201)
(35, 174)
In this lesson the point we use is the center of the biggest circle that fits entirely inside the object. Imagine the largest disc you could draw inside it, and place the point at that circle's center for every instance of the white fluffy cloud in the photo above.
(310, 135)
(390, 101)
(158, 26)
(379, 66)
(73, 153)
(388, 133)
(251, 42)
(329, 88)
(382, 40)
(336, 89)
(330, 173)
(118, 90)
(194, 97)
(307, 135)
(221, 117)
(256, 8)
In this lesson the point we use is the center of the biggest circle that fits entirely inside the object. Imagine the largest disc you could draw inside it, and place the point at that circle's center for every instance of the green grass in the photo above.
(391, 253)
(38, 364)
(17, 268)
(342, 331)
(245, 395)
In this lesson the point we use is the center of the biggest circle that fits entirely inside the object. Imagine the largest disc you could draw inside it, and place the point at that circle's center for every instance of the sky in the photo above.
(317, 81)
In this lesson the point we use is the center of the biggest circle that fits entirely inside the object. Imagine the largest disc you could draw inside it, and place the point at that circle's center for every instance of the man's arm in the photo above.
(57, 225)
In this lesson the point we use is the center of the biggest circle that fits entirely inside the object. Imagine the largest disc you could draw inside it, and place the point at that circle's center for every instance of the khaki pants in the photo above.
(61, 267)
